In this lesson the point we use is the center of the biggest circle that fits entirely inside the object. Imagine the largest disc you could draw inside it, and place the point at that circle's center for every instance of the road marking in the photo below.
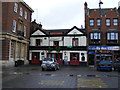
(90, 83)
(51, 82)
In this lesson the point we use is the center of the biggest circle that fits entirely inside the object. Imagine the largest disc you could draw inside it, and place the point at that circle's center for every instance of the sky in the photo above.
(64, 14)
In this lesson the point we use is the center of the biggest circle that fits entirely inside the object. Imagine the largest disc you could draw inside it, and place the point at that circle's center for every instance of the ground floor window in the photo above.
(56, 56)
(12, 55)
(74, 56)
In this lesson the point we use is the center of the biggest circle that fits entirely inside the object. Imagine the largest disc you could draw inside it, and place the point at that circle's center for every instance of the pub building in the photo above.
(67, 46)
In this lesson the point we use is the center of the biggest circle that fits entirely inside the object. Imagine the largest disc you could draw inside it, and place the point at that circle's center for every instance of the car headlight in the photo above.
(52, 65)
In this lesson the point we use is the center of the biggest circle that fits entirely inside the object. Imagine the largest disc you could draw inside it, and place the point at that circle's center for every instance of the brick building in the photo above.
(15, 34)
(103, 33)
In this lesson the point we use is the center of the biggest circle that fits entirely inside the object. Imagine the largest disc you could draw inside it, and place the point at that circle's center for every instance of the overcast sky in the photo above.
(62, 14)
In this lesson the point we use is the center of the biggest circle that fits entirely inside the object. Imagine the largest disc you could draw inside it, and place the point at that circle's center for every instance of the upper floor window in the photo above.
(115, 22)
(38, 42)
(15, 7)
(20, 27)
(14, 26)
(98, 22)
(21, 11)
(91, 22)
(107, 22)
(24, 31)
(75, 42)
(112, 36)
(25, 15)
(95, 35)
(56, 43)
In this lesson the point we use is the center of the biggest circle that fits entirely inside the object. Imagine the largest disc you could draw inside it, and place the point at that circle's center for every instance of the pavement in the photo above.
(69, 77)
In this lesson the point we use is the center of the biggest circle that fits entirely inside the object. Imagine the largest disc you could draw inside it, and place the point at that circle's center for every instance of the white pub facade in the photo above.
(68, 46)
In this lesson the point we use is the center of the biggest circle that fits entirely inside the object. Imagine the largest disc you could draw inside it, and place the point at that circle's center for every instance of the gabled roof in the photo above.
(58, 31)
(81, 30)
(39, 30)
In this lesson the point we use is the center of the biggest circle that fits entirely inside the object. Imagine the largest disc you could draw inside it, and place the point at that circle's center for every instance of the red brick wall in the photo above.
(5, 49)
(94, 15)
(8, 15)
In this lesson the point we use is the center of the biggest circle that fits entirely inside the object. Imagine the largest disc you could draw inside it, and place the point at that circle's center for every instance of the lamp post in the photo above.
(100, 2)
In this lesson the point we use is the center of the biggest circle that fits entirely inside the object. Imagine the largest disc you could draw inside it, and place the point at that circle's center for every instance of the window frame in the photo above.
(99, 22)
(15, 7)
(91, 22)
(115, 23)
(21, 11)
(38, 42)
(108, 22)
(112, 35)
(75, 42)
(56, 43)
(25, 14)
(92, 35)
(14, 25)
(25, 31)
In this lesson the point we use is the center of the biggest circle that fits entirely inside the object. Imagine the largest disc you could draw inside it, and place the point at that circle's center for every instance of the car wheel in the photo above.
(58, 68)
(98, 69)
(114, 69)
(43, 69)
(110, 69)
(55, 69)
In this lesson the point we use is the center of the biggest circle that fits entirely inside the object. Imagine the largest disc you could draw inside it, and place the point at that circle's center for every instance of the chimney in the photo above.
(85, 5)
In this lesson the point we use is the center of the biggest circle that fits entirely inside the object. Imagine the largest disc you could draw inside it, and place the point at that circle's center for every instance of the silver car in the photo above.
(49, 63)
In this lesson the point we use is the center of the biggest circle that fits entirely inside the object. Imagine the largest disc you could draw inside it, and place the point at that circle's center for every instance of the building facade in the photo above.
(15, 34)
(65, 45)
(103, 33)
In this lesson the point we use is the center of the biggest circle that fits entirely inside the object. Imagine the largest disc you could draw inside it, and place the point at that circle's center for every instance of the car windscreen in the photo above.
(47, 59)
(105, 62)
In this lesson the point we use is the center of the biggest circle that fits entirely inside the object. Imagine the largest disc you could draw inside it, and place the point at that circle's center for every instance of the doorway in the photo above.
(74, 59)
(35, 58)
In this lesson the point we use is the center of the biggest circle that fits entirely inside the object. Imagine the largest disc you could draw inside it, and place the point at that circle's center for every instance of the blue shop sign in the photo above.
(104, 48)
(91, 52)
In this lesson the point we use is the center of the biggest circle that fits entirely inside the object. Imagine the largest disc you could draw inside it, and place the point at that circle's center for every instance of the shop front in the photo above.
(97, 53)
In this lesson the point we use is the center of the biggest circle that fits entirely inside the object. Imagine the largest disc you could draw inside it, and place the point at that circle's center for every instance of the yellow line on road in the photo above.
(91, 83)
(51, 82)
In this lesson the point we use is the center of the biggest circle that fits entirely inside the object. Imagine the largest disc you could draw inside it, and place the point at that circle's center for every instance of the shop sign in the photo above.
(104, 47)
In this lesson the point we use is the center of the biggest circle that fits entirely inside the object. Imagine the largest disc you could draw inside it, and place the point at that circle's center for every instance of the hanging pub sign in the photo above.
(115, 48)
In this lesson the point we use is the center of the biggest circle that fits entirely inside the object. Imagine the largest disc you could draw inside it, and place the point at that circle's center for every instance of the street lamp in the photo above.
(100, 2)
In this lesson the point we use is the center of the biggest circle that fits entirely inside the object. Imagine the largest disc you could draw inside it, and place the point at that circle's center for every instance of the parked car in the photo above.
(49, 63)
(104, 65)
(116, 65)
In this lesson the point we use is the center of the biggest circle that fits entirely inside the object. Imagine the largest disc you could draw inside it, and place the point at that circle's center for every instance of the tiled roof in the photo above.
(103, 11)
